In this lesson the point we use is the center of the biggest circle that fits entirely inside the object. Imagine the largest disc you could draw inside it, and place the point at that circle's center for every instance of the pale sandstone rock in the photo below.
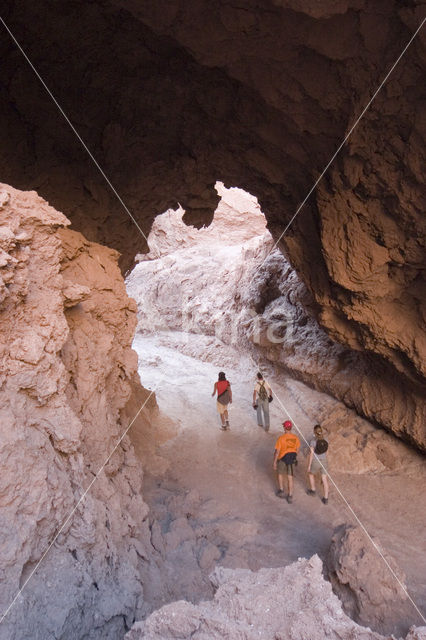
(244, 292)
(169, 234)
(66, 325)
(287, 604)
(418, 633)
(369, 591)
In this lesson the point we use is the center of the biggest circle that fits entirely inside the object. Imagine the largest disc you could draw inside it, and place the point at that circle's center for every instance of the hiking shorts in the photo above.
(285, 465)
(316, 467)
(221, 408)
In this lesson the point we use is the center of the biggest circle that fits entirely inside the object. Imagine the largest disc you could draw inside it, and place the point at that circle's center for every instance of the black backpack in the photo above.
(321, 446)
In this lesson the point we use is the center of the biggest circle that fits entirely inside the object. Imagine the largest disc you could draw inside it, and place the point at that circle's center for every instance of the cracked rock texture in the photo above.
(66, 326)
(286, 604)
(171, 96)
(228, 281)
(369, 593)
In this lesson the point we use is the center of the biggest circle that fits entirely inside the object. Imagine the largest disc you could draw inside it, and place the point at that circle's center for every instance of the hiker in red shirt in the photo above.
(224, 397)
(285, 455)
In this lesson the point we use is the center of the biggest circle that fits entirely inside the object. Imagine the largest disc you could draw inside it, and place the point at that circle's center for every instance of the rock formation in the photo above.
(244, 292)
(66, 326)
(171, 97)
(367, 589)
(285, 603)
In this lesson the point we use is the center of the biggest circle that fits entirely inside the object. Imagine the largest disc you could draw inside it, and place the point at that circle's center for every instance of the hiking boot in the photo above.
(324, 500)
(280, 493)
(311, 492)
(289, 499)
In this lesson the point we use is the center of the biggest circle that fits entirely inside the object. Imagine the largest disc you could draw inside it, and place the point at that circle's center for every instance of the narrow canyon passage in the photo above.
(212, 493)
(231, 486)
(127, 514)
(232, 469)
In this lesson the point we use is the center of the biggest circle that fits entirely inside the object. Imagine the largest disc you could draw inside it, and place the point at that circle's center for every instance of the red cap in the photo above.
(287, 424)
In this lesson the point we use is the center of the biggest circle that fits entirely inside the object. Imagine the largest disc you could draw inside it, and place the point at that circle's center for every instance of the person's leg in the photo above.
(266, 414)
(311, 477)
(221, 411)
(280, 480)
(259, 413)
(290, 484)
(325, 485)
(225, 413)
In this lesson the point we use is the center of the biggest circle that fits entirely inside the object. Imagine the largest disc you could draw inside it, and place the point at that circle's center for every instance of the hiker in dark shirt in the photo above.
(224, 397)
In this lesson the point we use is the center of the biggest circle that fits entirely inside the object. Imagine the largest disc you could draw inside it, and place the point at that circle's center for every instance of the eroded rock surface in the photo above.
(285, 603)
(229, 281)
(370, 591)
(171, 96)
(66, 326)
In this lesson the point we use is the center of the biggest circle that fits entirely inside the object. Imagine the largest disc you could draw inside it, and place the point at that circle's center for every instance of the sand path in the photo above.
(232, 471)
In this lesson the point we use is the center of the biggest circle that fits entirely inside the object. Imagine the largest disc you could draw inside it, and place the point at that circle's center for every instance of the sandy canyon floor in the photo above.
(223, 485)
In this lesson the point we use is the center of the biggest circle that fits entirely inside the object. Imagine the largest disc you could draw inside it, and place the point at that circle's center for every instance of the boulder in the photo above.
(287, 603)
(368, 581)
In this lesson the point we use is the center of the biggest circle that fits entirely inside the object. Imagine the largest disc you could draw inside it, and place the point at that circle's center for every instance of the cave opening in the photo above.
(168, 95)
(224, 298)
(213, 292)
(188, 282)
(209, 299)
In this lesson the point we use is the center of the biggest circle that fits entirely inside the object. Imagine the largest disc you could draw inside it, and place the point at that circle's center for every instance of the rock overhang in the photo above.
(170, 97)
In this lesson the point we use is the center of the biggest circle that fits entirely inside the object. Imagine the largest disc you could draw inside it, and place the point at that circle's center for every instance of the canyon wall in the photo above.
(67, 370)
(230, 281)
(171, 96)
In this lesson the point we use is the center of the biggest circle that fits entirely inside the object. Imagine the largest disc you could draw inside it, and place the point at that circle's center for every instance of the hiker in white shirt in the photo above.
(262, 396)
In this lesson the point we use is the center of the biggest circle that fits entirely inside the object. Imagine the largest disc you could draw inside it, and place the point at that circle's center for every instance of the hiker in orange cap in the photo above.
(285, 456)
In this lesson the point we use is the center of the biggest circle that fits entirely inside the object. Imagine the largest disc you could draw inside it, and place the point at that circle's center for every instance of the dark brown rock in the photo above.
(170, 96)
